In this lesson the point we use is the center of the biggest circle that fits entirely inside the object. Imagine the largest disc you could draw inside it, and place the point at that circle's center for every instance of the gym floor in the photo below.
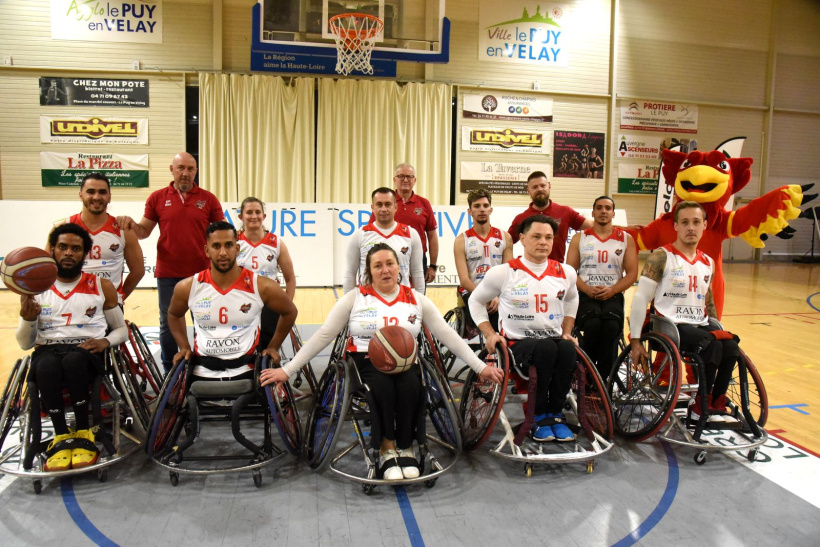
(646, 493)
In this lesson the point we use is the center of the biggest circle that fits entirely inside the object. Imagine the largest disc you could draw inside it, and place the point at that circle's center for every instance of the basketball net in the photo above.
(355, 35)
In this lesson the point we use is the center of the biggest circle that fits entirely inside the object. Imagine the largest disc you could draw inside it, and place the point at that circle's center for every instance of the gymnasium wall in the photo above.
(753, 69)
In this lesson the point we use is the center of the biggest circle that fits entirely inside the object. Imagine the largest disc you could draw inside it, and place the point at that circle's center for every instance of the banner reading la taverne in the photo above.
(523, 32)
(124, 171)
(107, 20)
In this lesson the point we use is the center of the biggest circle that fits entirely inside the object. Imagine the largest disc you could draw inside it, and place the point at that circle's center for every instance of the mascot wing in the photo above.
(768, 214)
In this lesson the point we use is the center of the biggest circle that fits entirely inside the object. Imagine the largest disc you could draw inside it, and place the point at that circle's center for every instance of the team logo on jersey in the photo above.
(412, 319)
(269, 258)
(498, 244)
(92, 282)
(618, 252)
(560, 295)
(200, 204)
(245, 308)
(706, 278)
(404, 250)
(418, 210)
(247, 280)
(91, 311)
(404, 230)
(114, 247)
(167, 202)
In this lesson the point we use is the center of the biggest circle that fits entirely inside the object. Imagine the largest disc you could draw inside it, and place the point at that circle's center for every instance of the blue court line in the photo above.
(808, 301)
(793, 407)
(336, 295)
(409, 518)
(663, 506)
(79, 518)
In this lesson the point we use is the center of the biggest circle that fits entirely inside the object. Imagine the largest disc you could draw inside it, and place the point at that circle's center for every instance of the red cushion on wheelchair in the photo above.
(722, 335)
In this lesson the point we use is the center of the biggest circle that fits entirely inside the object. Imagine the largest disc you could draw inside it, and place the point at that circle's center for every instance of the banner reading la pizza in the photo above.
(638, 178)
(507, 107)
(659, 116)
(523, 33)
(497, 139)
(123, 171)
(93, 130)
(107, 21)
(497, 177)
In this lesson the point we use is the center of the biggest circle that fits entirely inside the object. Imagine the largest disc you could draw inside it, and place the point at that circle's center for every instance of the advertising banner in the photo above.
(497, 177)
(107, 21)
(644, 147)
(507, 107)
(638, 178)
(492, 139)
(93, 92)
(578, 154)
(523, 33)
(124, 171)
(93, 130)
(658, 116)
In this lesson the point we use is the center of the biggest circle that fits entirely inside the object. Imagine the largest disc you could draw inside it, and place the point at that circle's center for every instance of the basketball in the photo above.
(392, 349)
(28, 270)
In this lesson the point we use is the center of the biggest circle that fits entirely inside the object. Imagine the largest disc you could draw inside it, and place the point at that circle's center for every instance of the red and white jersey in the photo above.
(483, 254)
(261, 258)
(531, 305)
(602, 260)
(226, 324)
(74, 317)
(107, 255)
(371, 312)
(681, 294)
(399, 239)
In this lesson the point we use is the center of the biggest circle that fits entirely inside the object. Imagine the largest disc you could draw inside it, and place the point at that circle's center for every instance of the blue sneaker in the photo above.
(542, 433)
(562, 433)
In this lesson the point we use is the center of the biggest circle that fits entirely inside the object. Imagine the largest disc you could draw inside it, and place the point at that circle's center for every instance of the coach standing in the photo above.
(183, 211)
(538, 188)
(416, 212)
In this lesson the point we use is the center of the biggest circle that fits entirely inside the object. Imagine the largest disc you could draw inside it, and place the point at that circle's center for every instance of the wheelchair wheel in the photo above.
(307, 370)
(440, 406)
(126, 383)
(594, 409)
(430, 350)
(327, 414)
(454, 318)
(12, 401)
(644, 395)
(165, 421)
(283, 411)
(149, 369)
(482, 401)
(758, 399)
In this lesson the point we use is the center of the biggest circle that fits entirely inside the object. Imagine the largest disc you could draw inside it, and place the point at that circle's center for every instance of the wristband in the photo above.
(434, 266)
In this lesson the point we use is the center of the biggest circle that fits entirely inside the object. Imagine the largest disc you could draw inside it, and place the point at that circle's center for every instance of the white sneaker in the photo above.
(389, 464)
(409, 471)
(712, 419)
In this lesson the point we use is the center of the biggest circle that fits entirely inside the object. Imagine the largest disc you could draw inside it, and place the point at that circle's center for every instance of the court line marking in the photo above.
(672, 481)
(792, 407)
(808, 301)
(79, 517)
(409, 517)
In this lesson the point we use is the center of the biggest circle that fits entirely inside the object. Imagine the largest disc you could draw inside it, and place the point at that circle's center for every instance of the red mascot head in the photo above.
(706, 178)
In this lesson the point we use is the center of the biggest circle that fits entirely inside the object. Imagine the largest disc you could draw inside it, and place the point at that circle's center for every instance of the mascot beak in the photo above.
(701, 183)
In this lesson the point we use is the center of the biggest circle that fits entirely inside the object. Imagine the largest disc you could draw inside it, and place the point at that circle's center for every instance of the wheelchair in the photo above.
(116, 422)
(184, 404)
(343, 402)
(587, 410)
(457, 319)
(651, 399)
(289, 349)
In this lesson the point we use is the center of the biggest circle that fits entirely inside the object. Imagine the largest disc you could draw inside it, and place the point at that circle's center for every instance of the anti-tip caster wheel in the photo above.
(590, 467)
(430, 482)
(528, 470)
(174, 478)
(257, 478)
(752, 455)
(38, 486)
(102, 474)
(297, 382)
(368, 488)
(700, 457)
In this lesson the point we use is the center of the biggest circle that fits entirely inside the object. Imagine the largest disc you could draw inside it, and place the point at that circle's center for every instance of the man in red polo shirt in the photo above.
(183, 211)
(416, 212)
(538, 187)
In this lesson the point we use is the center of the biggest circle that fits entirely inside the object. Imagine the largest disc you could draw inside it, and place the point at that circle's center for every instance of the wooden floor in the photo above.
(773, 307)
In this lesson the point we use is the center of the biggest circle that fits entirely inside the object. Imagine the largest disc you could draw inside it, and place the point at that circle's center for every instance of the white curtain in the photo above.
(366, 128)
(256, 137)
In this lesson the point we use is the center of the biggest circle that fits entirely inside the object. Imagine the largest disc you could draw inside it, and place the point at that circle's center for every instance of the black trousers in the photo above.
(397, 401)
(719, 356)
(602, 325)
(468, 318)
(554, 361)
(65, 366)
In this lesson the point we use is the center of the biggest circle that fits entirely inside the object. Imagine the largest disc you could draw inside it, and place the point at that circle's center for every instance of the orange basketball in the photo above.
(28, 270)
(392, 349)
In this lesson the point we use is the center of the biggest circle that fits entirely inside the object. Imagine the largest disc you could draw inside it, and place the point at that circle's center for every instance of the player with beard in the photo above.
(226, 301)
(479, 249)
(606, 260)
(112, 247)
(538, 188)
(66, 326)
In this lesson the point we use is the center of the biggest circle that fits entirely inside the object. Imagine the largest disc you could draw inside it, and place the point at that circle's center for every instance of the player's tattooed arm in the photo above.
(711, 310)
(653, 269)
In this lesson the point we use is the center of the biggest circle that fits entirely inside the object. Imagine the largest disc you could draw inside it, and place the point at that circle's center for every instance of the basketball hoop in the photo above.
(355, 35)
